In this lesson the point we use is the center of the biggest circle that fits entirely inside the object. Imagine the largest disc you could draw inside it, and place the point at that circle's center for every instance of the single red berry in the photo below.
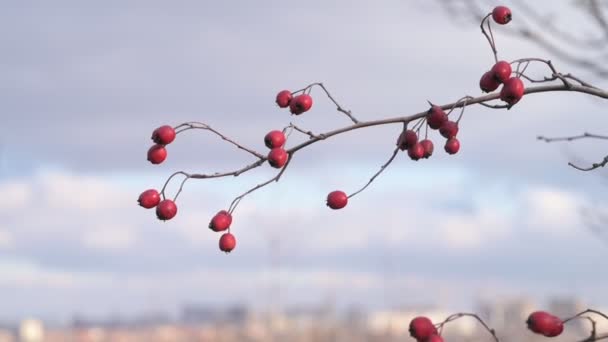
(157, 154)
(277, 157)
(512, 91)
(421, 328)
(449, 129)
(487, 83)
(452, 146)
(337, 199)
(436, 117)
(407, 139)
(227, 242)
(283, 98)
(428, 148)
(300, 104)
(275, 139)
(221, 221)
(544, 323)
(163, 135)
(558, 328)
(166, 210)
(434, 338)
(502, 15)
(501, 71)
(149, 199)
(416, 152)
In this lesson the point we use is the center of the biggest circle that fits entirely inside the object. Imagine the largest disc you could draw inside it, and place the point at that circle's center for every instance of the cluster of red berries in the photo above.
(297, 105)
(423, 330)
(275, 141)
(167, 209)
(162, 136)
(436, 118)
(219, 223)
(544, 323)
(513, 87)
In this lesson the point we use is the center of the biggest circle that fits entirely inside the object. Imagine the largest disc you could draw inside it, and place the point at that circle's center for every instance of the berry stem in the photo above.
(382, 168)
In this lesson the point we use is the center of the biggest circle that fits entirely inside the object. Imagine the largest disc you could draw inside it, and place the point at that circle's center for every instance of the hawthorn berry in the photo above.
(163, 135)
(300, 104)
(421, 328)
(407, 139)
(416, 151)
(544, 323)
(449, 129)
(436, 117)
(558, 328)
(221, 221)
(501, 71)
(512, 91)
(487, 83)
(452, 146)
(149, 199)
(337, 199)
(166, 210)
(434, 338)
(157, 154)
(428, 148)
(227, 242)
(502, 15)
(277, 157)
(274, 139)
(283, 98)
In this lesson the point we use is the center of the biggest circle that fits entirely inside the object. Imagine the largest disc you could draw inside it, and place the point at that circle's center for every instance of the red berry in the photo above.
(502, 15)
(149, 199)
(421, 328)
(275, 139)
(221, 221)
(452, 146)
(163, 135)
(487, 83)
(277, 157)
(283, 98)
(300, 104)
(501, 71)
(166, 210)
(512, 91)
(416, 152)
(449, 129)
(434, 338)
(436, 117)
(428, 148)
(407, 139)
(337, 199)
(157, 154)
(558, 328)
(227, 242)
(544, 323)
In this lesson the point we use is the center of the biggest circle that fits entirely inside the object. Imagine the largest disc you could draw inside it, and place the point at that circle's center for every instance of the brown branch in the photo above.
(331, 98)
(454, 317)
(199, 125)
(571, 138)
(382, 168)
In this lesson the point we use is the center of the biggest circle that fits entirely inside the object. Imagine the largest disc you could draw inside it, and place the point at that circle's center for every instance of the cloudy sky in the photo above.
(83, 86)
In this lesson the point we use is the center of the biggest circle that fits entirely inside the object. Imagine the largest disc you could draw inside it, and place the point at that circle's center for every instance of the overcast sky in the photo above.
(84, 85)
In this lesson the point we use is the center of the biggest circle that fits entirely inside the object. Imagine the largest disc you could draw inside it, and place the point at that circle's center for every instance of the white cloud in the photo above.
(553, 210)
(110, 237)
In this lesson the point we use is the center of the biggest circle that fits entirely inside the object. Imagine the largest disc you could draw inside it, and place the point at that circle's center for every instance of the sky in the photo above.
(84, 85)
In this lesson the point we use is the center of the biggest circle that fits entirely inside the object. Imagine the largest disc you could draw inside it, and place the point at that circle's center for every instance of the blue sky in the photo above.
(83, 86)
